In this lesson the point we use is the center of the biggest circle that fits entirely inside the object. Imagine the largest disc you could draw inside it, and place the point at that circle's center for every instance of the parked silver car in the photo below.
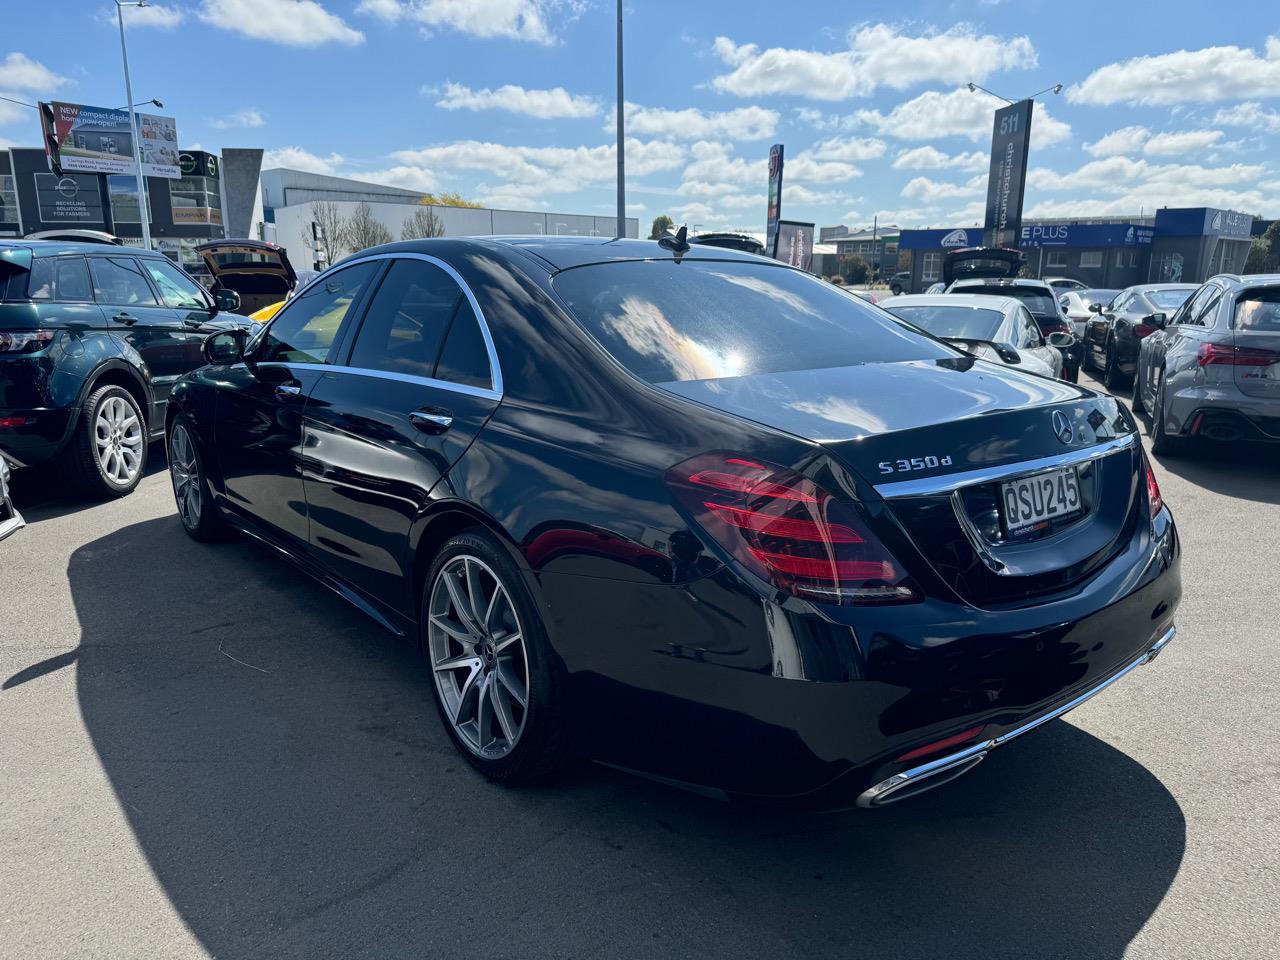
(999, 329)
(10, 519)
(1212, 370)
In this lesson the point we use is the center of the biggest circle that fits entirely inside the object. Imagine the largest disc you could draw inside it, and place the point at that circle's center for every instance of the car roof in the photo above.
(50, 248)
(966, 282)
(1156, 287)
(975, 301)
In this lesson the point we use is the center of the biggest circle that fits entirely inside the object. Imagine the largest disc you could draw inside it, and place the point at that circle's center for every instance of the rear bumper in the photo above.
(944, 769)
(1211, 411)
(40, 438)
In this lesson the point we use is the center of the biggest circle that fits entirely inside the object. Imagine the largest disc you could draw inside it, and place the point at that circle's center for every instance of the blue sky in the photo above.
(510, 102)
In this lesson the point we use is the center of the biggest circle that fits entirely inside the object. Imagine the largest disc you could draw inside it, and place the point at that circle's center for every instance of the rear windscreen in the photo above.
(1039, 302)
(668, 321)
(1259, 312)
(1169, 300)
(952, 322)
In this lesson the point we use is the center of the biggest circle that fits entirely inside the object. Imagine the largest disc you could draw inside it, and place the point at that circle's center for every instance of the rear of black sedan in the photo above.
(776, 544)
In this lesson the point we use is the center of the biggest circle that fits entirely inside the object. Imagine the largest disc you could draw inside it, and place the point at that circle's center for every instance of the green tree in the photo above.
(1264, 252)
(660, 226)
(856, 270)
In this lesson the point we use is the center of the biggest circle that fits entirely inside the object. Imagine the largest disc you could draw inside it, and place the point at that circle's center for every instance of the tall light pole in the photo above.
(144, 212)
(621, 230)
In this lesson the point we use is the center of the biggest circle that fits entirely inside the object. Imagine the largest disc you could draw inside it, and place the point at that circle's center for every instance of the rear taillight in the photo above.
(26, 341)
(1048, 326)
(788, 531)
(1210, 353)
(1154, 500)
(1143, 330)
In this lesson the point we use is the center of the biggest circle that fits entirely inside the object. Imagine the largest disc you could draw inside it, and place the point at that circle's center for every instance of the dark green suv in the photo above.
(92, 338)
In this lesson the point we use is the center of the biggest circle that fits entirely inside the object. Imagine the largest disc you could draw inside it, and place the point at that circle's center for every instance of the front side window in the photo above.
(305, 329)
(65, 279)
(407, 320)
(119, 281)
(176, 288)
(697, 320)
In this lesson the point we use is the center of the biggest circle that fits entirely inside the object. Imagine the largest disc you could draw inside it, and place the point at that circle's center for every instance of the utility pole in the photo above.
(621, 230)
(144, 208)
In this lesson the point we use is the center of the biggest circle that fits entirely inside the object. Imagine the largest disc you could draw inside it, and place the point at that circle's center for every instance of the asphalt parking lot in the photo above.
(205, 754)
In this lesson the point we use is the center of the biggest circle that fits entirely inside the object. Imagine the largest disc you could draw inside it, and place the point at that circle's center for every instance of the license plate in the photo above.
(1033, 502)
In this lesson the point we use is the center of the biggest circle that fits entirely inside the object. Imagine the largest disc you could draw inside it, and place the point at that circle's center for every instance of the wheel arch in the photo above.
(120, 374)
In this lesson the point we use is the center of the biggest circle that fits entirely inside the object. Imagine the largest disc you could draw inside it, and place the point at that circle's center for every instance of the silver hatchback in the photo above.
(1212, 370)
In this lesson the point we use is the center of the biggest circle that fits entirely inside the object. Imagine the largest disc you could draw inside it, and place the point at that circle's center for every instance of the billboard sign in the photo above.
(84, 139)
(775, 201)
(1007, 180)
(68, 199)
(795, 243)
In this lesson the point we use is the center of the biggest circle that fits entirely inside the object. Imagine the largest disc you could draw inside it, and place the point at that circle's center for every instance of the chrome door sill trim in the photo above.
(883, 792)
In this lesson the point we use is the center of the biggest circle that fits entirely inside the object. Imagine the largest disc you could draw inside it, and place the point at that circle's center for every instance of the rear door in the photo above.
(384, 427)
(1256, 330)
(135, 315)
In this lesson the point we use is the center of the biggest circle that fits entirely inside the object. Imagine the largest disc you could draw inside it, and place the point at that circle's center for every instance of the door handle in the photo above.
(433, 420)
(286, 390)
(125, 318)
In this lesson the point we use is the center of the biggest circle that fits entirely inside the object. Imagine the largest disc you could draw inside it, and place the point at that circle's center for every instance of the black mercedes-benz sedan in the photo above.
(686, 511)
(1112, 337)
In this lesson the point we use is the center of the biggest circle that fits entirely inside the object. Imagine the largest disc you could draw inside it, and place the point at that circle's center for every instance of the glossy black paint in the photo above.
(680, 663)
(1114, 334)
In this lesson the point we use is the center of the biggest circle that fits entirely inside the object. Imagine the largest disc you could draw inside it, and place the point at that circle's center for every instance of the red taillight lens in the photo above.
(789, 531)
(1142, 330)
(26, 341)
(1154, 500)
(1235, 356)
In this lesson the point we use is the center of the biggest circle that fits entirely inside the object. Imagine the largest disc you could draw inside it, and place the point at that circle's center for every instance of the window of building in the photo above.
(1091, 258)
(932, 268)
(1126, 258)
(1055, 258)
(124, 198)
(190, 192)
(8, 197)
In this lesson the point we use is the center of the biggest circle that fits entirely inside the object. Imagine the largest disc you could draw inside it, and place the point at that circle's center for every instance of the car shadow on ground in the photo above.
(281, 764)
(44, 493)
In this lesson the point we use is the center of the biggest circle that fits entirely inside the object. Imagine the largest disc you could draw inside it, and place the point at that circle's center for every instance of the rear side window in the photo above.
(698, 320)
(407, 320)
(465, 358)
(64, 279)
(1259, 312)
(305, 329)
(119, 281)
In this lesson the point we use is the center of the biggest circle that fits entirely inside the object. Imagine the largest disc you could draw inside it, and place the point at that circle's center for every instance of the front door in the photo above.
(383, 429)
(259, 414)
(135, 315)
(191, 305)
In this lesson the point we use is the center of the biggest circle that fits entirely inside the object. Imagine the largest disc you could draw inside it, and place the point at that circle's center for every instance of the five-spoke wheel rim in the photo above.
(117, 435)
(478, 656)
(184, 470)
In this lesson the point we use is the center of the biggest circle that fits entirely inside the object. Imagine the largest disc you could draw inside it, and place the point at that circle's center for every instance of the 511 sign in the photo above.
(1006, 182)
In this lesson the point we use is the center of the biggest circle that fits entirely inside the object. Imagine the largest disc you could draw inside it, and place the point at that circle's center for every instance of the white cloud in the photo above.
(157, 17)
(958, 113)
(295, 23)
(1118, 142)
(879, 55)
(248, 117)
(20, 72)
(928, 191)
(1249, 114)
(931, 158)
(1121, 185)
(1185, 76)
(848, 149)
(810, 169)
(713, 162)
(295, 158)
(1179, 142)
(544, 104)
(744, 123)
(515, 19)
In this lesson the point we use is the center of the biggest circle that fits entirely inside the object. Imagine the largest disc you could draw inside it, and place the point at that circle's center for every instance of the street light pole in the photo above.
(621, 230)
(144, 212)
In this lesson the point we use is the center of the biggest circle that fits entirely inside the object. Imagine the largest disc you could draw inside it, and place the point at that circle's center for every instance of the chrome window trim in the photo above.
(932, 486)
(388, 375)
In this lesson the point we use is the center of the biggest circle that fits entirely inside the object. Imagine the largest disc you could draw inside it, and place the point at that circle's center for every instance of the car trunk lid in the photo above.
(257, 270)
(981, 262)
(1255, 362)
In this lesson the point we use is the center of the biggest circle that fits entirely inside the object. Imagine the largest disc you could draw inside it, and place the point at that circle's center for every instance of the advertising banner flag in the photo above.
(84, 139)
(775, 200)
(1008, 178)
(795, 244)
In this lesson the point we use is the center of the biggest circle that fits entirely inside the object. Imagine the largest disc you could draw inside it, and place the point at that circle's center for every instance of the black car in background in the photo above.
(92, 338)
(1112, 336)
(685, 510)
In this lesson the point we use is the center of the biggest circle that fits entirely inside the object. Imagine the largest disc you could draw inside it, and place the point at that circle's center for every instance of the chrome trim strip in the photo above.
(495, 368)
(880, 794)
(931, 486)
(386, 375)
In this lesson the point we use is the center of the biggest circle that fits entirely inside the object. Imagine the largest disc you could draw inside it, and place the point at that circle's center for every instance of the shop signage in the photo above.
(1007, 180)
(68, 199)
(795, 243)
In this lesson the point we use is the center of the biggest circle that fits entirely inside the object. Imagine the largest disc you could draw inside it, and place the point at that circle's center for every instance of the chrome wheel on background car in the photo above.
(184, 471)
(118, 440)
(478, 656)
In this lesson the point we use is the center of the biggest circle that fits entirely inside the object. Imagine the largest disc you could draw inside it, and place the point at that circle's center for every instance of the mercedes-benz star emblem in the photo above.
(1062, 427)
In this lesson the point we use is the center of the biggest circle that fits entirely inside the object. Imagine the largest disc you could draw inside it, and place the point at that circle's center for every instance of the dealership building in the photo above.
(1186, 245)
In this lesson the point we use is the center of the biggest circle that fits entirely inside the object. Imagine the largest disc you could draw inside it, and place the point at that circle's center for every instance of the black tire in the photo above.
(1112, 378)
(1086, 360)
(1162, 443)
(896, 290)
(84, 468)
(1136, 404)
(197, 511)
(545, 742)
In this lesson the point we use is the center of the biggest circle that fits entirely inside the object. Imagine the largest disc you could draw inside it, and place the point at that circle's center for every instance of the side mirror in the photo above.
(1095, 308)
(1007, 353)
(1060, 340)
(224, 348)
(1158, 320)
(228, 301)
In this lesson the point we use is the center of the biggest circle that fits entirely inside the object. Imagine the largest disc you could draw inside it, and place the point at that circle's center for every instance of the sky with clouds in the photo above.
(511, 102)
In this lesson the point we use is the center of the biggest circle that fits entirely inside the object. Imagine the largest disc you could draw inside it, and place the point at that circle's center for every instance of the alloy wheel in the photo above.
(118, 440)
(184, 470)
(478, 656)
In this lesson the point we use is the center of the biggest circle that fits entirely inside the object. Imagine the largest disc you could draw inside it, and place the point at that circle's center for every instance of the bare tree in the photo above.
(423, 222)
(329, 232)
(362, 230)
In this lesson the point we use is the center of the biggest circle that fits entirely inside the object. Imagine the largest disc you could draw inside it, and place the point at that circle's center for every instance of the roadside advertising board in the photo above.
(795, 243)
(775, 200)
(1007, 181)
(85, 139)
